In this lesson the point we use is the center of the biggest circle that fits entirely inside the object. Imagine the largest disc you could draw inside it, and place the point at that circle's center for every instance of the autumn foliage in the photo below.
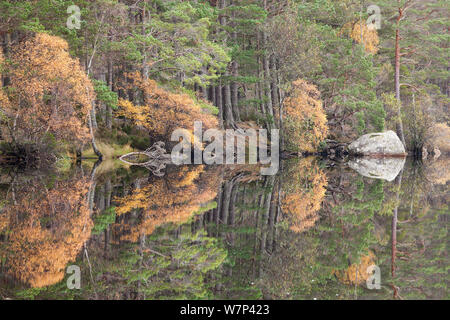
(357, 273)
(173, 199)
(304, 192)
(4, 102)
(306, 123)
(48, 92)
(163, 111)
(47, 229)
(361, 34)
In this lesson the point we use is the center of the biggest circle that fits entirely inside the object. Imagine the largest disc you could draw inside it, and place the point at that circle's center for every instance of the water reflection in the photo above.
(378, 168)
(44, 224)
(208, 232)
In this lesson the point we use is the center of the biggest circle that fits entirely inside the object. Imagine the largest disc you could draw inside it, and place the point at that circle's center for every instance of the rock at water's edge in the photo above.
(378, 144)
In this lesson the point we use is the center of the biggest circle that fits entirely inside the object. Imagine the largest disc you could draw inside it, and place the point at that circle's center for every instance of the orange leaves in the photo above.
(173, 199)
(360, 33)
(304, 193)
(49, 90)
(306, 123)
(357, 272)
(163, 111)
(4, 101)
(47, 230)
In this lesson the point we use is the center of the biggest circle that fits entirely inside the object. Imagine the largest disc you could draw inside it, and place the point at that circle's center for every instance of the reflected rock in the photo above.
(378, 168)
(378, 144)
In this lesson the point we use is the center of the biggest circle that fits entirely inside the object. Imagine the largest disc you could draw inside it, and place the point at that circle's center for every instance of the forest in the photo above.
(85, 82)
(108, 76)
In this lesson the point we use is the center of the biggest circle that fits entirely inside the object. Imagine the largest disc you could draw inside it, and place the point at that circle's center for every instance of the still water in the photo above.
(225, 232)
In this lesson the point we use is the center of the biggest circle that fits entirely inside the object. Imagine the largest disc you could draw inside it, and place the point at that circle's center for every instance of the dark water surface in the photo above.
(222, 232)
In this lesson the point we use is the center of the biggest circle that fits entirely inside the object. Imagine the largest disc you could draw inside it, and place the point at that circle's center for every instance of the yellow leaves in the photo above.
(360, 33)
(357, 272)
(189, 177)
(51, 93)
(304, 193)
(306, 122)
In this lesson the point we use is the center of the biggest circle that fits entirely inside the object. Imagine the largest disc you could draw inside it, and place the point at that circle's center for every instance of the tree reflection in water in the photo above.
(226, 232)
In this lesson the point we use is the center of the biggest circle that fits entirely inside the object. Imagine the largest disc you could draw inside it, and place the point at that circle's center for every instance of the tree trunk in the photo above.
(110, 85)
(235, 74)
(229, 118)
(267, 81)
(394, 230)
(92, 132)
(259, 84)
(228, 107)
(219, 103)
(234, 92)
(397, 78)
(274, 90)
(212, 95)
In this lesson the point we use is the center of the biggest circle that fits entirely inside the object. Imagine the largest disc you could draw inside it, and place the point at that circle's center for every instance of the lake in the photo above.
(316, 230)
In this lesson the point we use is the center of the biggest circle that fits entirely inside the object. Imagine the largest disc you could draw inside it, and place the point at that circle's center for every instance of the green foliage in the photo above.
(193, 256)
(104, 94)
(139, 142)
(102, 221)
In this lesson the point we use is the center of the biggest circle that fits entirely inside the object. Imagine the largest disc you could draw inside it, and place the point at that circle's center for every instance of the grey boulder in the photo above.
(378, 144)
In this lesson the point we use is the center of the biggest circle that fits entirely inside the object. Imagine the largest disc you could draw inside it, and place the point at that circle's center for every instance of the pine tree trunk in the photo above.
(219, 103)
(108, 108)
(92, 131)
(394, 229)
(235, 74)
(268, 93)
(274, 90)
(229, 118)
(212, 95)
(397, 79)
(259, 85)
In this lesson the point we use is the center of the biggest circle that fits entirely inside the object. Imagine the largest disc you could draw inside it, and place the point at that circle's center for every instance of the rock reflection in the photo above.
(378, 168)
